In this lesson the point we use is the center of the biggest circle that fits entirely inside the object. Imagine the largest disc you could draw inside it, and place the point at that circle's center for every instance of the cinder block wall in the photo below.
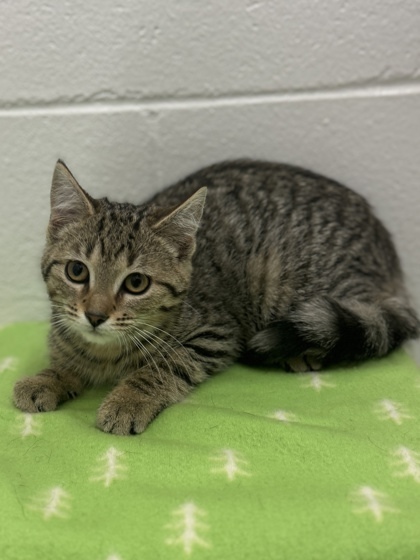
(133, 95)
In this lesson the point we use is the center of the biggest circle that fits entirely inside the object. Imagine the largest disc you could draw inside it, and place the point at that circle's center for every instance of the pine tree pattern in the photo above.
(186, 527)
(369, 500)
(409, 460)
(231, 463)
(284, 416)
(318, 382)
(387, 409)
(52, 503)
(111, 468)
(8, 364)
(29, 425)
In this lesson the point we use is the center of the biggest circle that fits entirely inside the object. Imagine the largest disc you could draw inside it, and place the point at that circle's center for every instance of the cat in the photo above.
(258, 261)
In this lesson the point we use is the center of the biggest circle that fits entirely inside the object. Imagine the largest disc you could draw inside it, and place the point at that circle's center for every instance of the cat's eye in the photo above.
(136, 283)
(76, 271)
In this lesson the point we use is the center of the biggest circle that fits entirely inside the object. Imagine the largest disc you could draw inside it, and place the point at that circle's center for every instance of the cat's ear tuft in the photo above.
(180, 224)
(69, 202)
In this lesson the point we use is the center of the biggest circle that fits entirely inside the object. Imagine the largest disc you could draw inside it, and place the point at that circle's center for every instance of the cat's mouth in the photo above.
(96, 335)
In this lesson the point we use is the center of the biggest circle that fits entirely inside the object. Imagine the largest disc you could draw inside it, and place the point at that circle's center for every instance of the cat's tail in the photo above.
(336, 331)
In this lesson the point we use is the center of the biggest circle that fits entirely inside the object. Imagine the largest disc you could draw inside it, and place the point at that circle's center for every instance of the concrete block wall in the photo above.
(133, 95)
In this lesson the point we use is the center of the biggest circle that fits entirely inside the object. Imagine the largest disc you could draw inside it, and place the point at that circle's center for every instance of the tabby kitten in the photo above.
(287, 268)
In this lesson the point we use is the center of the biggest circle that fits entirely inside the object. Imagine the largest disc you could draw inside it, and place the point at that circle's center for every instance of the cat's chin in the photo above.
(96, 337)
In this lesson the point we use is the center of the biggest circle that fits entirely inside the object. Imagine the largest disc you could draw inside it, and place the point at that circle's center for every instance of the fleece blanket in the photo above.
(254, 464)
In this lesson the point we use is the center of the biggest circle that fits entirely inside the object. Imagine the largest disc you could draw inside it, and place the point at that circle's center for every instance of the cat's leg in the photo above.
(324, 330)
(282, 344)
(138, 399)
(46, 390)
(142, 395)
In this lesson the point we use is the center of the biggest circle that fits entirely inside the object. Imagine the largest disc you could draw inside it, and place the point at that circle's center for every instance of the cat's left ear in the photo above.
(69, 202)
(180, 224)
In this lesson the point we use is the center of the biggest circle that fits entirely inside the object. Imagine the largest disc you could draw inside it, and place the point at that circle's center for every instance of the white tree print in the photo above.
(284, 416)
(52, 503)
(391, 410)
(186, 527)
(369, 500)
(409, 460)
(231, 464)
(110, 468)
(318, 382)
(8, 364)
(29, 425)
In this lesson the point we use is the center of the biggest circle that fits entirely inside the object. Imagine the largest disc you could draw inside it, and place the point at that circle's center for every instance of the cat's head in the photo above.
(113, 270)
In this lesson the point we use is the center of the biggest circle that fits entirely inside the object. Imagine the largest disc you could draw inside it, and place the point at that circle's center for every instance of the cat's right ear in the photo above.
(69, 202)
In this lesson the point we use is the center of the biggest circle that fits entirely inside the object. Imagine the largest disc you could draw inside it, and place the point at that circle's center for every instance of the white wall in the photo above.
(134, 94)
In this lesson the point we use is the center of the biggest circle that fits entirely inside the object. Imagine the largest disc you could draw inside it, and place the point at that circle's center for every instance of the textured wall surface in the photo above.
(133, 95)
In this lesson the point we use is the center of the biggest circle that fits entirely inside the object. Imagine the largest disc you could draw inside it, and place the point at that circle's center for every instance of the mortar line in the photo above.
(222, 100)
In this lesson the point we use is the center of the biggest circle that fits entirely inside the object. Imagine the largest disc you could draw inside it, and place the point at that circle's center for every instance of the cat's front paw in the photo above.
(124, 413)
(45, 391)
(34, 394)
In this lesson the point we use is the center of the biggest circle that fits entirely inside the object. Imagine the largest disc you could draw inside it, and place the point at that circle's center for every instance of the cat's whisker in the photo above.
(145, 351)
(158, 339)
(157, 349)
(124, 343)
(171, 350)
(154, 327)
(62, 325)
(150, 355)
(185, 302)
(184, 358)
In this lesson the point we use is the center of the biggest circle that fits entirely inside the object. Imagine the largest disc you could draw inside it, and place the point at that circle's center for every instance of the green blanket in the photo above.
(254, 464)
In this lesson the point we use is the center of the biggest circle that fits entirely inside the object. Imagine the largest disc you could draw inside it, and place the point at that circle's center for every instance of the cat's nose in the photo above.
(95, 319)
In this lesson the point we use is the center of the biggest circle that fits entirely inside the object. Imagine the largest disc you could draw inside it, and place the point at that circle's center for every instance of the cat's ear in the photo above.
(180, 224)
(69, 202)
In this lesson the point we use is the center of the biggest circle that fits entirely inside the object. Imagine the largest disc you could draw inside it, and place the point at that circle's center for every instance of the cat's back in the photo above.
(248, 187)
(284, 214)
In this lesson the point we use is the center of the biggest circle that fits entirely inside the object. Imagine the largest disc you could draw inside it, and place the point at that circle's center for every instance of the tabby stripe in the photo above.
(137, 223)
(63, 332)
(184, 375)
(80, 351)
(101, 225)
(171, 288)
(167, 308)
(49, 373)
(63, 350)
(102, 242)
(206, 352)
(89, 248)
(207, 335)
(118, 359)
(217, 267)
(119, 250)
(47, 270)
(141, 385)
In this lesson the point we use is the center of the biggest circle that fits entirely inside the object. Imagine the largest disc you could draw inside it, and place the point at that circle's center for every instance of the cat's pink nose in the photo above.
(95, 319)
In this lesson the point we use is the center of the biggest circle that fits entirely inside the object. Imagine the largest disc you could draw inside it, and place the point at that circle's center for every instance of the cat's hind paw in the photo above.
(307, 361)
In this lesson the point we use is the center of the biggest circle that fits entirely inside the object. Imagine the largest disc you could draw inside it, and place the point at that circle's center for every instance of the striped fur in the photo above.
(287, 268)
